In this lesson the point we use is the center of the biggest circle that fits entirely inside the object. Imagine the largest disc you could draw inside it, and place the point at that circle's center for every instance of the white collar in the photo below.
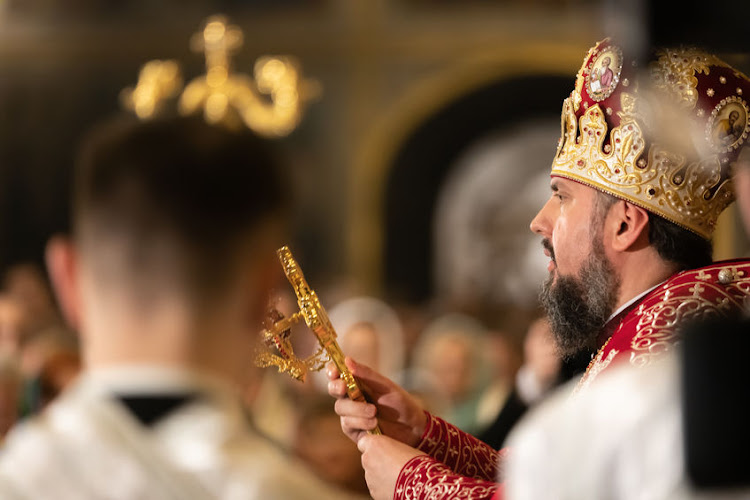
(146, 379)
(632, 301)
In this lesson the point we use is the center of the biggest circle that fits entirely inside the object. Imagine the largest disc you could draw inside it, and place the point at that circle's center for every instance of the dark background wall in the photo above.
(63, 64)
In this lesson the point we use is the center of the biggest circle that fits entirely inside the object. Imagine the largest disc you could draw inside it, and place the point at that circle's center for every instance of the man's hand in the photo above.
(383, 458)
(399, 414)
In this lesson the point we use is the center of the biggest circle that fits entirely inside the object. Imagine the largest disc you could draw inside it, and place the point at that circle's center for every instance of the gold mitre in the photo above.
(663, 137)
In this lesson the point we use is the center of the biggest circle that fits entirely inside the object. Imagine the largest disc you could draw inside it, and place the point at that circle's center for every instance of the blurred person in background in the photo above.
(542, 363)
(637, 187)
(29, 334)
(370, 330)
(539, 373)
(503, 358)
(166, 277)
(11, 385)
(274, 398)
(38, 353)
(31, 330)
(542, 371)
(413, 319)
(26, 284)
(58, 372)
(450, 359)
(13, 326)
(320, 443)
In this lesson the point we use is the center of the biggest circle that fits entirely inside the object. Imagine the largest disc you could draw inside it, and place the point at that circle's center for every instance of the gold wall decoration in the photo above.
(271, 104)
(157, 82)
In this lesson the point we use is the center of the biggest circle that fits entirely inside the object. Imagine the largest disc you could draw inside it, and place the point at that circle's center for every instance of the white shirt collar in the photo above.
(148, 379)
(633, 301)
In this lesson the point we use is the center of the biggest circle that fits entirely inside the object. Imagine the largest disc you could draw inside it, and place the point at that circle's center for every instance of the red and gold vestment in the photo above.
(458, 465)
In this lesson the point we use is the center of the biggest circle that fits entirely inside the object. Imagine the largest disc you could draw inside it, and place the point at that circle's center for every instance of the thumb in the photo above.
(364, 443)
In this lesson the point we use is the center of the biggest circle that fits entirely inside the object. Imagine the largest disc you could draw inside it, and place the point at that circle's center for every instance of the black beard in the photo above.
(578, 307)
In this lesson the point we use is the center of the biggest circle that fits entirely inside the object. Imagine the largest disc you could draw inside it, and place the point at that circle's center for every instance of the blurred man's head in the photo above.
(540, 353)
(12, 325)
(173, 223)
(10, 394)
(450, 353)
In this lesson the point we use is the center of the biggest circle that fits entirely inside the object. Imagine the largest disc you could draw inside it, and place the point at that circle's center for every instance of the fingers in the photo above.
(332, 372)
(350, 363)
(358, 409)
(360, 371)
(356, 427)
(337, 388)
(357, 418)
(371, 382)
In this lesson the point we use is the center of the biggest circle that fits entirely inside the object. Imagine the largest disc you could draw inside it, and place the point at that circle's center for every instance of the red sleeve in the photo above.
(423, 477)
(461, 452)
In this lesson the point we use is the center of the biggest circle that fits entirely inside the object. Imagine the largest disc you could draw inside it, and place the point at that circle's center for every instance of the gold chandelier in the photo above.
(271, 104)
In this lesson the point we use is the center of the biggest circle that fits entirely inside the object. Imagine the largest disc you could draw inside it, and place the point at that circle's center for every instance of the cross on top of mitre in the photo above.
(271, 104)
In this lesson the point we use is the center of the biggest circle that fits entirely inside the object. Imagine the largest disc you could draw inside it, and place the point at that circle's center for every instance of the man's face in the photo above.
(582, 289)
(565, 224)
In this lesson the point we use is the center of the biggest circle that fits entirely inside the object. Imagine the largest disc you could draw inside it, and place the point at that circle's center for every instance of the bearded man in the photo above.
(681, 422)
(637, 187)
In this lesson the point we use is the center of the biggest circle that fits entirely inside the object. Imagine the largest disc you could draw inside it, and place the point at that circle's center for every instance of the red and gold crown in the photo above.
(663, 137)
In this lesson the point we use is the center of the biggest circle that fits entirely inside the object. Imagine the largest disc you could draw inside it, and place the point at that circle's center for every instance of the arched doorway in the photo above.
(428, 156)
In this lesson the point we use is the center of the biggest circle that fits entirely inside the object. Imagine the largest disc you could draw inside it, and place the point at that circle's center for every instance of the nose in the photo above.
(540, 224)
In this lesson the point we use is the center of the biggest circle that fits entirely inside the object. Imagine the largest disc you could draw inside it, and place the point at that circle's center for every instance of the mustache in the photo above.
(547, 244)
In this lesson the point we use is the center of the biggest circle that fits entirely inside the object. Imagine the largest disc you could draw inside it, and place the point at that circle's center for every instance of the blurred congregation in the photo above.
(419, 156)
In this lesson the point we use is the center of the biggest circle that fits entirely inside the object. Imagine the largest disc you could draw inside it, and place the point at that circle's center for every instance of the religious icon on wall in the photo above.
(483, 250)
(729, 127)
(604, 73)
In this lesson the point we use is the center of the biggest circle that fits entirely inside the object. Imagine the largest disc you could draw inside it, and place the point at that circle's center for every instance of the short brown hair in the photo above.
(172, 196)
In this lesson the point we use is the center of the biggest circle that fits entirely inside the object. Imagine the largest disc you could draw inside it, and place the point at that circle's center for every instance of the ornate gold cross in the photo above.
(277, 334)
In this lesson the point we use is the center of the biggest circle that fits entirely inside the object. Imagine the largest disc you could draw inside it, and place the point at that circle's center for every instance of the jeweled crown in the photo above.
(663, 137)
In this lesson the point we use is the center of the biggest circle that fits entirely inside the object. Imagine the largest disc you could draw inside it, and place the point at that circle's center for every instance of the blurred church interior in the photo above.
(414, 172)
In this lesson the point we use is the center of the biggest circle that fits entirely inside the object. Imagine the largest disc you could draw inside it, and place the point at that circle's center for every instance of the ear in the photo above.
(629, 224)
(62, 264)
